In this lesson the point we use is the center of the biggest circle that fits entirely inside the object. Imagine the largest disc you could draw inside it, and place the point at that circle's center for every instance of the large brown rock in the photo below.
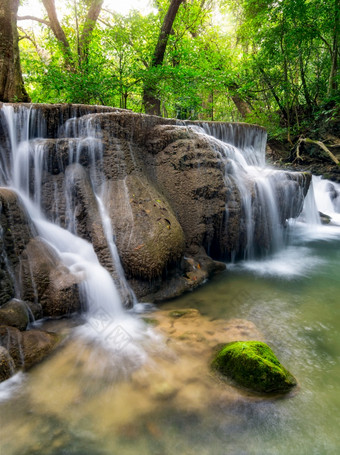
(15, 313)
(16, 229)
(36, 345)
(24, 349)
(148, 234)
(86, 212)
(6, 364)
(46, 280)
(11, 339)
(170, 195)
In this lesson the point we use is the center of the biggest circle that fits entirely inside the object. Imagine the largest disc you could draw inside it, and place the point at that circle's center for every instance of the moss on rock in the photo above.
(252, 364)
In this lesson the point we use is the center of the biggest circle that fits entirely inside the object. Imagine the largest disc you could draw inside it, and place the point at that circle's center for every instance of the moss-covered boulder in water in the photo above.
(252, 364)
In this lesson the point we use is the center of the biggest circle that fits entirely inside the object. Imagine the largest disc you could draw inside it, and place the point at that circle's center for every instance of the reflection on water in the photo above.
(173, 404)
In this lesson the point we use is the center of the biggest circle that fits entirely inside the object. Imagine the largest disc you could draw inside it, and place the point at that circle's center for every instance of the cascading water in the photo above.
(23, 170)
(265, 196)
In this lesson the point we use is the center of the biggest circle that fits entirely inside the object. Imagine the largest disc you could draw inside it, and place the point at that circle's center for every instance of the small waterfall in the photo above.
(266, 196)
(327, 197)
(250, 139)
(24, 170)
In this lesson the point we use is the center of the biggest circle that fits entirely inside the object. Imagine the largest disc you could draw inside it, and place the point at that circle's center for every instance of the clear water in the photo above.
(67, 406)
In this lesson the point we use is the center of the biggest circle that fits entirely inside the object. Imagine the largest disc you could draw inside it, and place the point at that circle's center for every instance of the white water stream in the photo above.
(107, 322)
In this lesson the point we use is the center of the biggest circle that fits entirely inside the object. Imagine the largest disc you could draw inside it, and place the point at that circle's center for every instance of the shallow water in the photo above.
(82, 401)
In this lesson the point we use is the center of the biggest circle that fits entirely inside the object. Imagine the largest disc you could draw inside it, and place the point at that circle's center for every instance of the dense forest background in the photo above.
(274, 63)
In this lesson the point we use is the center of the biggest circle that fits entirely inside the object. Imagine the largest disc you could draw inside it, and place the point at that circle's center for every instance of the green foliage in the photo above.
(267, 62)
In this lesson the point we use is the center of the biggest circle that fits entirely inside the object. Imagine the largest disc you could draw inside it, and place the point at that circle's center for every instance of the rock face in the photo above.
(6, 364)
(252, 364)
(172, 193)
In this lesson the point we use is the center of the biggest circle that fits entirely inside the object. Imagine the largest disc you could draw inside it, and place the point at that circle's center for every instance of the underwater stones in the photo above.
(252, 364)
(15, 313)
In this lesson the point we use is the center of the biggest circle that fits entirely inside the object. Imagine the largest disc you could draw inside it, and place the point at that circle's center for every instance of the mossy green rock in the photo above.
(252, 364)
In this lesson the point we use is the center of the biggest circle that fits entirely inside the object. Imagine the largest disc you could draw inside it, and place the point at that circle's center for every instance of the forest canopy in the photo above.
(269, 62)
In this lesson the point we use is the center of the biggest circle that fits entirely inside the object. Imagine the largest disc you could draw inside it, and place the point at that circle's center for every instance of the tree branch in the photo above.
(320, 144)
(33, 18)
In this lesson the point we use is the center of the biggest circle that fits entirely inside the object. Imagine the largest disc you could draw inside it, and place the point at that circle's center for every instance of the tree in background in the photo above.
(151, 101)
(11, 83)
(67, 60)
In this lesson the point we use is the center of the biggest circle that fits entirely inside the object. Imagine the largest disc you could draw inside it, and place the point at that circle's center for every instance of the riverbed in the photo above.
(79, 401)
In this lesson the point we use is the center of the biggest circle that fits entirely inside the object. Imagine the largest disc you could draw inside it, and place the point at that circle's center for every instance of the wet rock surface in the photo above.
(6, 364)
(15, 313)
(22, 350)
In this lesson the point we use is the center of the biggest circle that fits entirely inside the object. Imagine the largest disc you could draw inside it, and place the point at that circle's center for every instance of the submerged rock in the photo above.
(252, 364)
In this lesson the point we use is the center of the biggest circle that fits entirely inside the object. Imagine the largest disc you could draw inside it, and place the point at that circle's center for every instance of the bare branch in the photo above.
(33, 18)
(320, 144)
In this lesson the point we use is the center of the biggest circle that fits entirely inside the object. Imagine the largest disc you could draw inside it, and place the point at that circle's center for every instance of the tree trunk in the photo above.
(333, 83)
(90, 22)
(11, 83)
(59, 32)
(242, 105)
(304, 84)
(151, 102)
(273, 92)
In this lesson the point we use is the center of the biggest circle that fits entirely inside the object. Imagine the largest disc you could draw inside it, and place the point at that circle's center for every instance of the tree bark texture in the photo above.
(11, 83)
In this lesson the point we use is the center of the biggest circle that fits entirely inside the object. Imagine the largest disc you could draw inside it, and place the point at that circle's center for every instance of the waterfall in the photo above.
(59, 168)
(266, 196)
(23, 171)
